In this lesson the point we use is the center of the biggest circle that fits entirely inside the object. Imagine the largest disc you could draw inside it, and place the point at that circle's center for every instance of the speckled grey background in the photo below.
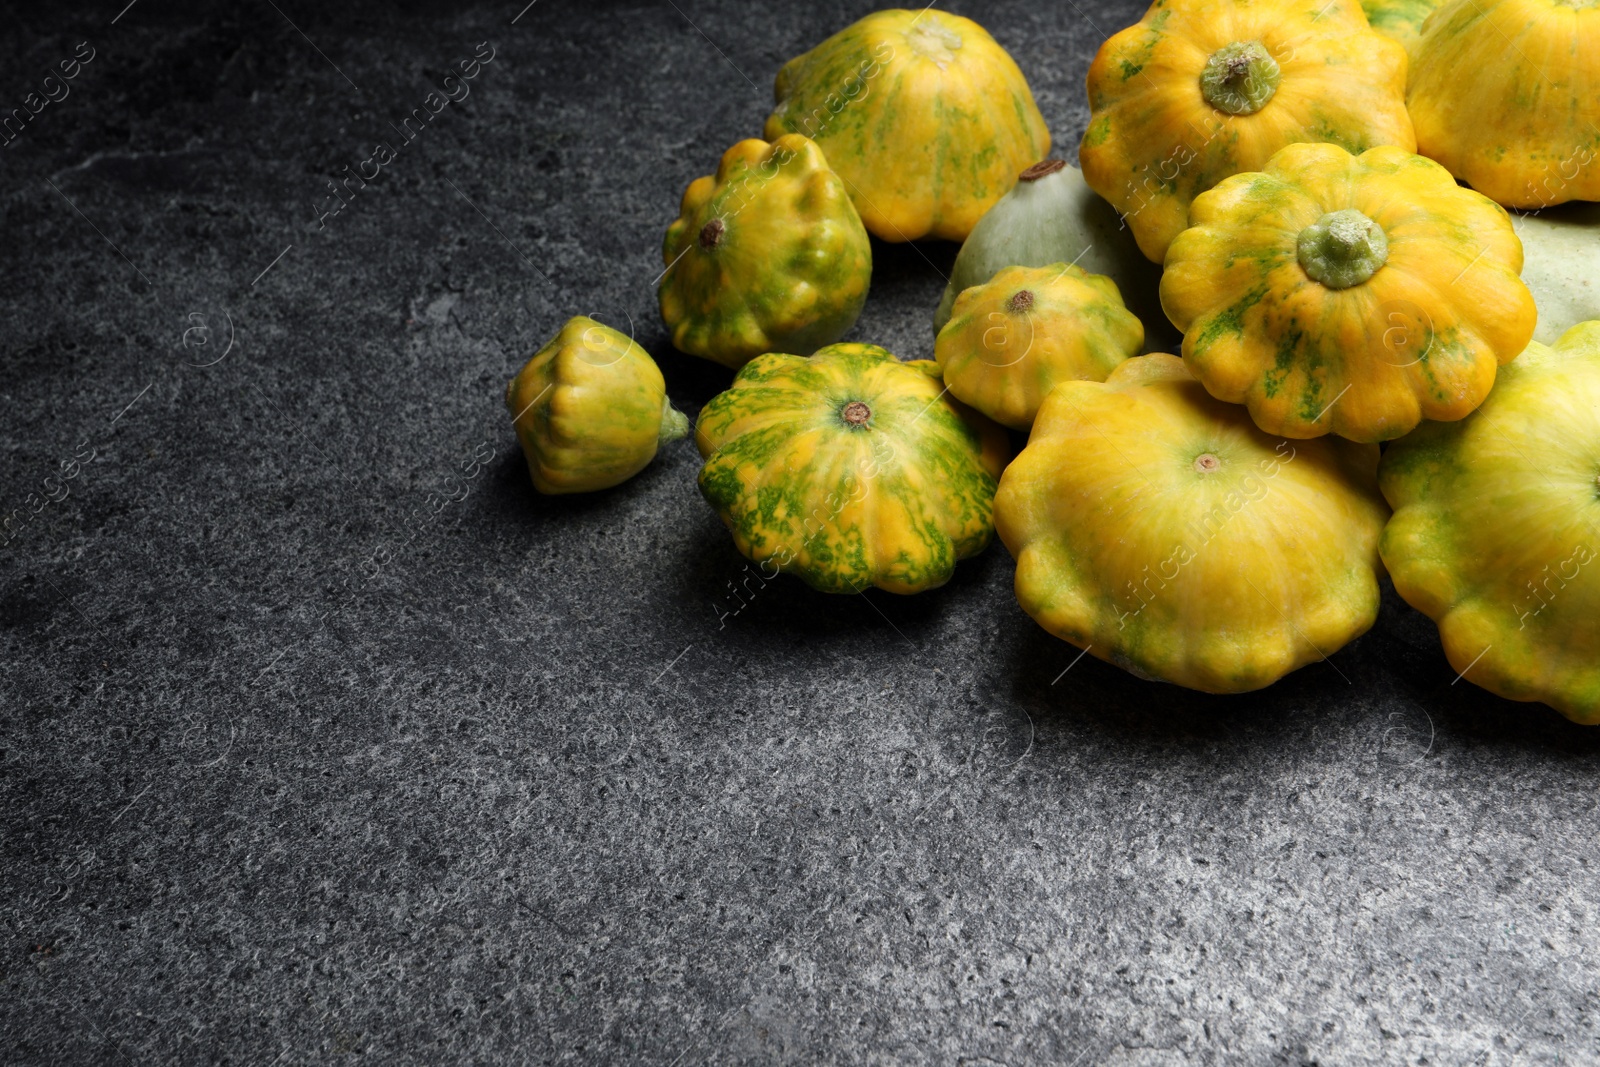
(322, 737)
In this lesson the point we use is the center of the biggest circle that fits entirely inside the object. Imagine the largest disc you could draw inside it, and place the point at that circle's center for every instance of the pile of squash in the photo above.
(1382, 370)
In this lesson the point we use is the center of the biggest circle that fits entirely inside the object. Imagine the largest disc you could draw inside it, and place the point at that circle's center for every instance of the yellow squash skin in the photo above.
(767, 255)
(1496, 529)
(1013, 339)
(590, 409)
(1159, 529)
(850, 469)
(1421, 337)
(1155, 141)
(1506, 93)
(926, 118)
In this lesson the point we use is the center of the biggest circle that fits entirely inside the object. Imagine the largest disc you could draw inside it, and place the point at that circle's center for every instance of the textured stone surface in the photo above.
(321, 735)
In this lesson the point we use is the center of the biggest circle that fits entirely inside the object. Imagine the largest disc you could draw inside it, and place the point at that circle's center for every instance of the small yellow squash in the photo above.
(1506, 94)
(1158, 529)
(1348, 294)
(1201, 89)
(1496, 529)
(1013, 339)
(590, 409)
(850, 469)
(926, 118)
(767, 255)
(1052, 216)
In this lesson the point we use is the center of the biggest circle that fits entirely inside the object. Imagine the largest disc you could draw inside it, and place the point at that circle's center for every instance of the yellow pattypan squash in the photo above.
(1496, 529)
(1160, 530)
(1506, 93)
(590, 408)
(926, 118)
(850, 469)
(1201, 89)
(1351, 294)
(1013, 339)
(767, 255)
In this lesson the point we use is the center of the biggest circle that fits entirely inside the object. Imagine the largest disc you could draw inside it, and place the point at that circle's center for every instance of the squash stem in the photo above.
(674, 423)
(1041, 169)
(1342, 248)
(855, 413)
(1240, 78)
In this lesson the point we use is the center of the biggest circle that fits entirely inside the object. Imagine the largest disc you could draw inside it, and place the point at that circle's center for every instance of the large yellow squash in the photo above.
(590, 409)
(1348, 294)
(1496, 529)
(1201, 89)
(1506, 93)
(1160, 530)
(923, 115)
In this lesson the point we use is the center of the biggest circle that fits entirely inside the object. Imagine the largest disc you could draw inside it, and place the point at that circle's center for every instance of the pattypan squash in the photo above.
(850, 469)
(1561, 266)
(1157, 528)
(1504, 94)
(1028, 329)
(1052, 216)
(1496, 529)
(1201, 89)
(767, 255)
(926, 118)
(590, 408)
(1399, 19)
(1351, 294)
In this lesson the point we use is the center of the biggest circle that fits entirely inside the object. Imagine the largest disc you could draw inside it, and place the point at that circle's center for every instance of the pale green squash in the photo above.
(1561, 266)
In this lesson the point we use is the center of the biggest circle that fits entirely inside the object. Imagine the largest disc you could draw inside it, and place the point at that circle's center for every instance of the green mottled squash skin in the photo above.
(850, 469)
(767, 255)
(921, 112)
(1400, 20)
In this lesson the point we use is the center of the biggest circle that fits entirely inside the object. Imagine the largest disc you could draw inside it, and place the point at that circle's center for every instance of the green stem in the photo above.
(1240, 78)
(1343, 248)
(674, 423)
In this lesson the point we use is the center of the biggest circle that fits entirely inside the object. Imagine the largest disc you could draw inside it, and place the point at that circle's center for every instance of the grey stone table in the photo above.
(322, 736)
